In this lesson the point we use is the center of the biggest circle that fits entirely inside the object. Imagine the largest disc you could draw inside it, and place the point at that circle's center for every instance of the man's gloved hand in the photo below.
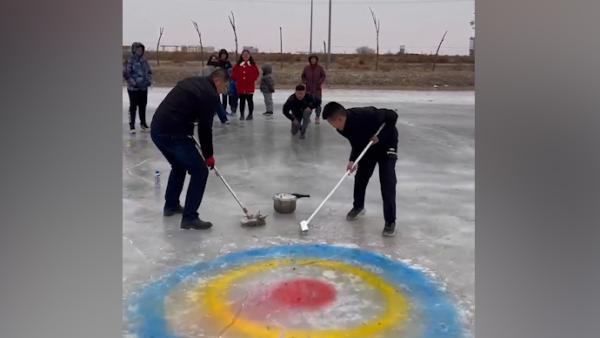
(210, 162)
(296, 123)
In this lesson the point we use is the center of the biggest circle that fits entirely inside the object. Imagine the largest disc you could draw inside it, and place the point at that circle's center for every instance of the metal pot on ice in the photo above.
(285, 203)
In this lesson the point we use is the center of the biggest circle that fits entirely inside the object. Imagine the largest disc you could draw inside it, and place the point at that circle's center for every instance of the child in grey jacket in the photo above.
(267, 88)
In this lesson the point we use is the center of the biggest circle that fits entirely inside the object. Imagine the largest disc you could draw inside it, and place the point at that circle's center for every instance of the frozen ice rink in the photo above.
(435, 226)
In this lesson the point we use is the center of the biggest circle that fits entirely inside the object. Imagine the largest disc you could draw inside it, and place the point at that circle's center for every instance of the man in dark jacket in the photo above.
(300, 104)
(138, 75)
(192, 101)
(359, 126)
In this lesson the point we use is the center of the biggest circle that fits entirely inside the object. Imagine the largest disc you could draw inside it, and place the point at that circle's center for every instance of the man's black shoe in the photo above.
(196, 223)
(353, 214)
(389, 230)
(172, 211)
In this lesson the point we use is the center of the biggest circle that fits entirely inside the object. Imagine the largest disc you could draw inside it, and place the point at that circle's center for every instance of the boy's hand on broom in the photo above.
(351, 167)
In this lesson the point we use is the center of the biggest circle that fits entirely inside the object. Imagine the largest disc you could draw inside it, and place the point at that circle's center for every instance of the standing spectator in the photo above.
(267, 87)
(225, 64)
(313, 77)
(213, 61)
(212, 64)
(138, 75)
(232, 95)
(245, 73)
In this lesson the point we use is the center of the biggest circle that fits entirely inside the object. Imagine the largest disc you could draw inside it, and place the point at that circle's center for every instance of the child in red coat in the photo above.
(245, 73)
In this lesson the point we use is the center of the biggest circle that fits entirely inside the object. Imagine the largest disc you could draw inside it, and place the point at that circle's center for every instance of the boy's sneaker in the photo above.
(317, 120)
(242, 117)
(249, 117)
(389, 230)
(226, 122)
(172, 211)
(196, 224)
(132, 131)
(353, 214)
(145, 128)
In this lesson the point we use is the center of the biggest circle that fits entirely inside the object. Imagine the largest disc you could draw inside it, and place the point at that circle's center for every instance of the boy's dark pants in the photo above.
(183, 156)
(303, 123)
(386, 159)
(137, 101)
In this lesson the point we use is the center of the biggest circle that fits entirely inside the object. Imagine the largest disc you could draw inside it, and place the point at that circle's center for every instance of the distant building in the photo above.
(251, 49)
(188, 49)
(196, 49)
(402, 49)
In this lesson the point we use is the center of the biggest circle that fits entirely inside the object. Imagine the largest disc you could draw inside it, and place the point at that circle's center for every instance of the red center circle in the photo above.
(304, 293)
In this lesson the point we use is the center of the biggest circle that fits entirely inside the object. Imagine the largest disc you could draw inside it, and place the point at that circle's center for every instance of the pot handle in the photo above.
(300, 195)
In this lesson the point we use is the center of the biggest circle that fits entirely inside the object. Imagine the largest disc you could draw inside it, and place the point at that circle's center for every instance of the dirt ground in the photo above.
(346, 71)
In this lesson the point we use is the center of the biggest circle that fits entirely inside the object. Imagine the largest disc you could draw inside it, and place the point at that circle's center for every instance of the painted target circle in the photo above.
(317, 291)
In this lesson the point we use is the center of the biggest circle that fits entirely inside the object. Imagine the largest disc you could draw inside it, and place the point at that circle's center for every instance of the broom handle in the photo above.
(346, 174)
(220, 176)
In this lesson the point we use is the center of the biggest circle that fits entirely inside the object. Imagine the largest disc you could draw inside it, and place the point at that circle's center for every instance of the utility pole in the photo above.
(311, 27)
(329, 39)
(280, 48)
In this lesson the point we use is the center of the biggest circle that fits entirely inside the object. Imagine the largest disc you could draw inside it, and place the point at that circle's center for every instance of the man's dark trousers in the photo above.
(386, 159)
(183, 156)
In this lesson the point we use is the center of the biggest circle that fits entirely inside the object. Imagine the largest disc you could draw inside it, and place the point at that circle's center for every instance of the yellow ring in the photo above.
(396, 310)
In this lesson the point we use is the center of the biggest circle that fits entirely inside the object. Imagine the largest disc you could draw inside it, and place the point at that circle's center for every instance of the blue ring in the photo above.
(146, 312)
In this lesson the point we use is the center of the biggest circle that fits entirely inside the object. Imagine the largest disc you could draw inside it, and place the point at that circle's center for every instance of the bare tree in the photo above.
(200, 38)
(438, 51)
(162, 29)
(232, 23)
(377, 25)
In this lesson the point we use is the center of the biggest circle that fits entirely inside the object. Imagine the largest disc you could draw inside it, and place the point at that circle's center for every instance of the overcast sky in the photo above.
(417, 24)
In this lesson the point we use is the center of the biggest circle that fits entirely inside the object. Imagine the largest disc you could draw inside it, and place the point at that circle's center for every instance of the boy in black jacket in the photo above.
(359, 126)
(192, 100)
(301, 105)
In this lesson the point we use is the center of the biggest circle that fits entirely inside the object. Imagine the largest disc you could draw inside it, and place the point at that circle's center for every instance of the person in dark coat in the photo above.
(245, 73)
(192, 101)
(213, 61)
(313, 76)
(224, 63)
(138, 75)
(359, 125)
(298, 108)
(211, 65)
